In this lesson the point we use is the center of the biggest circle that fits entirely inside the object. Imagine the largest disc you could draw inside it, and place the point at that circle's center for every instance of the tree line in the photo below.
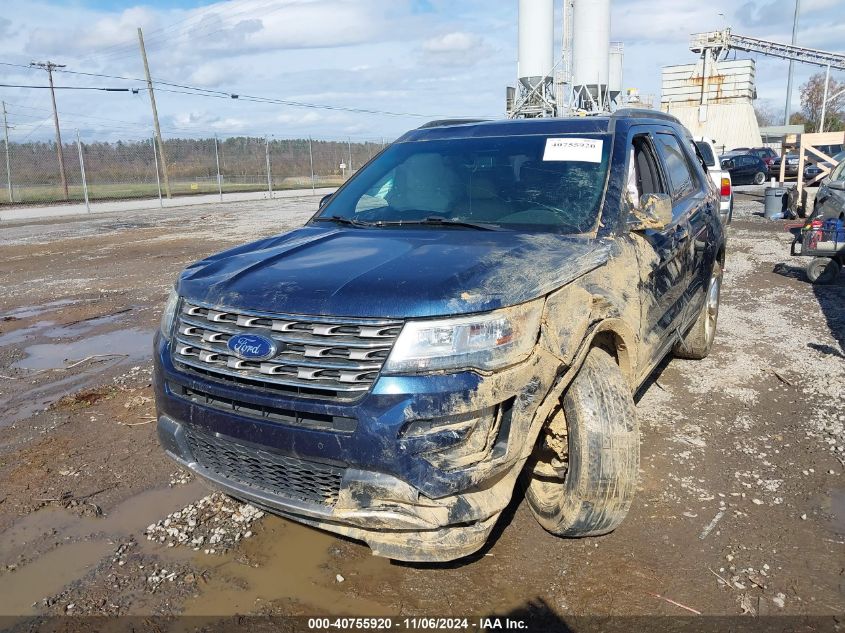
(810, 115)
(35, 162)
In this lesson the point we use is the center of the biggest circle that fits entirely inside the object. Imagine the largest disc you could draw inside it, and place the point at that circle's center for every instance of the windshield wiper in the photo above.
(339, 219)
(436, 220)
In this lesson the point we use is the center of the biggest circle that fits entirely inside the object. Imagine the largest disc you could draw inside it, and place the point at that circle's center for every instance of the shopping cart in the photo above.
(824, 241)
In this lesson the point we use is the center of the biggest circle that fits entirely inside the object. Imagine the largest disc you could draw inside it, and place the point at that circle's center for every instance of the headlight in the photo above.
(483, 341)
(169, 314)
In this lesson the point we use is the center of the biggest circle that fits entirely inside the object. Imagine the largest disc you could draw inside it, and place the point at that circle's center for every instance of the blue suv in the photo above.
(476, 306)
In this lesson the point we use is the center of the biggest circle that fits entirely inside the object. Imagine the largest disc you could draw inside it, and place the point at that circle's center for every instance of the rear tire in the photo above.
(699, 340)
(823, 270)
(599, 423)
(759, 178)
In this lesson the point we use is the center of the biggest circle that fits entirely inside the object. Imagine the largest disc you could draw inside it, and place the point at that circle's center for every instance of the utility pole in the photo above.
(8, 162)
(786, 112)
(50, 67)
(161, 154)
(824, 98)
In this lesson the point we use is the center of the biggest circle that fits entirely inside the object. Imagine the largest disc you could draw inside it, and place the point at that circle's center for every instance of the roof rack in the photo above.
(645, 113)
(448, 122)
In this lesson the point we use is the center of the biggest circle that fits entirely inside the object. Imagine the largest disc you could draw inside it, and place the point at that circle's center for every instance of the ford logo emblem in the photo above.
(252, 347)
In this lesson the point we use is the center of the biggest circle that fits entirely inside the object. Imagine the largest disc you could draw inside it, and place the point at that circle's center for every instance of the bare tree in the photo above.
(812, 97)
(767, 116)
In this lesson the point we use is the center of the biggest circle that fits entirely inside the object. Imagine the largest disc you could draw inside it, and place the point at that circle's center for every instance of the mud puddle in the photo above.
(49, 329)
(25, 312)
(23, 403)
(837, 510)
(284, 563)
(74, 545)
(133, 343)
(22, 589)
(18, 336)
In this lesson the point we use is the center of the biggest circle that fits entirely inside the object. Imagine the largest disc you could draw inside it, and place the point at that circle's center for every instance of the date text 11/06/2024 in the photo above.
(418, 623)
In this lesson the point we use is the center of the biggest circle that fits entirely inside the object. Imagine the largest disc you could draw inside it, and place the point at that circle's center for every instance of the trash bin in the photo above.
(775, 204)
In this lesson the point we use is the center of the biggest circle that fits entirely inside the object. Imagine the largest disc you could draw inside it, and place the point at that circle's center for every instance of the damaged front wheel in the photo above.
(598, 422)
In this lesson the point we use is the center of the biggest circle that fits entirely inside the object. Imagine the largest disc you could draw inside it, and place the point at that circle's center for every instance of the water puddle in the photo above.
(837, 509)
(48, 574)
(84, 542)
(133, 342)
(294, 564)
(17, 336)
(24, 403)
(24, 312)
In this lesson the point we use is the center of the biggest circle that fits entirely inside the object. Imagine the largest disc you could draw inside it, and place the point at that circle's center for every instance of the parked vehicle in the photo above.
(830, 198)
(745, 169)
(791, 168)
(477, 303)
(767, 154)
(813, 170)
(720, 177)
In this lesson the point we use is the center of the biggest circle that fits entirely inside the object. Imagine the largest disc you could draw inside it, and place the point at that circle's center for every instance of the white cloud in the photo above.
(452, 58)
(452, 42)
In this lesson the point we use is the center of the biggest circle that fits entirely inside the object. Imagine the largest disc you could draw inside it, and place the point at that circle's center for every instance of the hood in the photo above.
(390, 272)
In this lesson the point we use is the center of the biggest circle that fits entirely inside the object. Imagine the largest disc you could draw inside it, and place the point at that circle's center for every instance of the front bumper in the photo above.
(789, 170)
(390, 492)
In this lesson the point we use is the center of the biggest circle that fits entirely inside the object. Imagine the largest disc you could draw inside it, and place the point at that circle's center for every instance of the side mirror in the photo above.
(654, 212)
(325, 199)
(838, 185)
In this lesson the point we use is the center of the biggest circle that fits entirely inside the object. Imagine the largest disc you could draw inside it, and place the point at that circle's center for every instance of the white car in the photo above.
(720, 177)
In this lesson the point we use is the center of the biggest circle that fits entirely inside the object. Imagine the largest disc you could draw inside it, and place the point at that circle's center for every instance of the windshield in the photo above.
(534, 183)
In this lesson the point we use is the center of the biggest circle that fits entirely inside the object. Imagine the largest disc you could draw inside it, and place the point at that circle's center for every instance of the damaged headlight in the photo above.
(483, 341)
(169, 314)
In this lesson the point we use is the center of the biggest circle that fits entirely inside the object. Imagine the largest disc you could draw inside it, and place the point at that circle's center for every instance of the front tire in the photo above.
(597, 422)
(823, 270)
(759, 178)
(699, 340)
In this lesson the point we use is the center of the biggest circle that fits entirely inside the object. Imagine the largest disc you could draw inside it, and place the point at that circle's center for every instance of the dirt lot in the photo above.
(742, 501)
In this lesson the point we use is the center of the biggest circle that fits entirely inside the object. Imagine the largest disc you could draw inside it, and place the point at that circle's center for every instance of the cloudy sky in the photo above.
(417, 59)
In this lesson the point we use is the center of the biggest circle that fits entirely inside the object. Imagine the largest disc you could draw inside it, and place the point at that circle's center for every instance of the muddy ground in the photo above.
(742, 501)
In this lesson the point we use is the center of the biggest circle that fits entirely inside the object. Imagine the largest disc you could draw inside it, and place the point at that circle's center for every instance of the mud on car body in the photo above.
(475, 306)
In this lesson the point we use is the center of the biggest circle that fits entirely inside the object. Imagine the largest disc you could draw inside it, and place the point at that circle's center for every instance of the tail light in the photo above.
(726, 187)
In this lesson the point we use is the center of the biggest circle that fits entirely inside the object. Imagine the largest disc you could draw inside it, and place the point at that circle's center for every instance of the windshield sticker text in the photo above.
(584, 150)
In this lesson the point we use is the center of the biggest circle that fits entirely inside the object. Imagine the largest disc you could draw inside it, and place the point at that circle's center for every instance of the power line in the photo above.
(207, 92)
(103, 89)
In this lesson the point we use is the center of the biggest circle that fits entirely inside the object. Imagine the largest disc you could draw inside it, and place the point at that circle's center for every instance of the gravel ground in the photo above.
(741, 508)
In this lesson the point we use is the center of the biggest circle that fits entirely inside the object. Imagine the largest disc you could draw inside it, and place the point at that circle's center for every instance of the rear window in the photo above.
(706, 153)
(680, 174)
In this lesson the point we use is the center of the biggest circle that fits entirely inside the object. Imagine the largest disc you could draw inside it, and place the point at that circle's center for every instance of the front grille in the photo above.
(280, 475)
(316, 421)
(320, 357)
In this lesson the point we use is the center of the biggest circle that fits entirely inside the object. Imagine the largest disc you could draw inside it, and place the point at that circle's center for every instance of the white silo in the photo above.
(591, 51)
(536, 41)
(534, 96)
(614, 76)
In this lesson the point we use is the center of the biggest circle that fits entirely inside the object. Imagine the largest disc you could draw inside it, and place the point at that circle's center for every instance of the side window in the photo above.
(643, 171)
(680, 174)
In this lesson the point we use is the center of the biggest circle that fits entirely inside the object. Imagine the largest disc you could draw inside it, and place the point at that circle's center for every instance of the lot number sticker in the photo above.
(585, 150)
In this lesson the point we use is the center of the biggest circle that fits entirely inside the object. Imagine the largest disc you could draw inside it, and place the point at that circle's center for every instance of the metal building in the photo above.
(714, 99)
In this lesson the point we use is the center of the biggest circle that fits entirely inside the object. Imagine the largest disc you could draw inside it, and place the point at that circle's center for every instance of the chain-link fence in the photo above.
(96, 170)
